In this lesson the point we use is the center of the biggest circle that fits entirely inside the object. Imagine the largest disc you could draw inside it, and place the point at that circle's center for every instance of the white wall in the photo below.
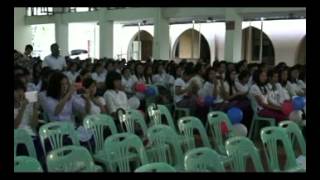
(285, 35)
(22, 33)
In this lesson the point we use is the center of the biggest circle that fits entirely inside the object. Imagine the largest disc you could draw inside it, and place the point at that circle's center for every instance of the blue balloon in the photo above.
(235, 115)
(208, 100)
(150, 91)
(298, 103)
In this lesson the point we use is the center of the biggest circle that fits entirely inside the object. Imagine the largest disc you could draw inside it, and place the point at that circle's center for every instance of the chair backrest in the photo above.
(294, 133)
(162, 135)
(156, 167)
(26, 164)
(70, 159)
(55, 131)
(168, 117)
(133, 117)
(21, 136)
(120, 147)
(254, 104)
(239, 149)
(203, 159)
(187, 125)
(269, 137)
(97, 124)
(215, 120)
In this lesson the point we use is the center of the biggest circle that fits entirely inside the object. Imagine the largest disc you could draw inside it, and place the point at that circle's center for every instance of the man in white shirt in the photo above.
(54, 61)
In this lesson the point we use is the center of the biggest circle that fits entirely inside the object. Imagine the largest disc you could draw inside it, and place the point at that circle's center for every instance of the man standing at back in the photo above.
(54, 61)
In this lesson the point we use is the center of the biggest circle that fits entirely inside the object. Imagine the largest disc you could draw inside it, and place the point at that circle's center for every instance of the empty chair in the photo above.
(123, 148)
(131, 119)
(21, 136)
(98, 124)
(156, 167)
(26, 164)
(187, 126)
(55, 132)
(203, 159)
(295, 134)
(270, 136)
(160, 137)
(215, 120)
(71, 159)
(239, 149)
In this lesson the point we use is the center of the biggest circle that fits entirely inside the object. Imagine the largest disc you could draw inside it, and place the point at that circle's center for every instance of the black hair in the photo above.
(111, 77)
(239, 65)
(281, 81)
(290, 78)
(18, 84)
(146, 76)
(29, 46)
(136, 70)
(197, 68)
(188, 72)
(243, 74)
(125, 68)
(54, 85)
(82, 73)
(44, 76)
(87, 82)
(54, 44)
(230, 81)
(96, 65)
(256, 79)
(271, 72)
(206, 76)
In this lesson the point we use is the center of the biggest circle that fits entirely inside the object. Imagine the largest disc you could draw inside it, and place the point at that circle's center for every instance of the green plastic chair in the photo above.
(257, 118)
(215, 119)
(121, 149)
(295, 134)
(26, 164)
(71, 159)
(203, 159)
(155, 167)
(54, 131)
(160, 137)
(133, 117)
(269, 137)
(239, 148)
(187, 125)
(21, 136)
(97, 124)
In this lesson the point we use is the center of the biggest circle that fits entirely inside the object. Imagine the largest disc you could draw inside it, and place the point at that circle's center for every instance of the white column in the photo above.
(106, 36)
(62, 34)
(106, 39)
(233, 38)
(161, 41)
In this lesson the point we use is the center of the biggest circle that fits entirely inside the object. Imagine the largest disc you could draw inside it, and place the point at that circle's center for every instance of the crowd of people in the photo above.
(69, 89)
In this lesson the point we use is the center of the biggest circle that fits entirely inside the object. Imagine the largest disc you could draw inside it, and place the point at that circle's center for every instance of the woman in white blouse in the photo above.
(260, 92)
(114, 96)
(295, 87)
(89, 102)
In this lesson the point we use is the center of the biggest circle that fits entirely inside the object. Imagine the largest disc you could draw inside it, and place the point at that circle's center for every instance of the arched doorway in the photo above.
(301, 53)
(251, 46)
(189, 46)
(140, 50)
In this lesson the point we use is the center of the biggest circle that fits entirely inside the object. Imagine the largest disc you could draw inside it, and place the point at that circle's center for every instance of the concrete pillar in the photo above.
(233, 38)
(161, 40)
(106, 36)
(62, 34)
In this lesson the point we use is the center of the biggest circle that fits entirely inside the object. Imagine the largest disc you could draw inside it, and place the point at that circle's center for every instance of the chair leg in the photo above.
(251, 128)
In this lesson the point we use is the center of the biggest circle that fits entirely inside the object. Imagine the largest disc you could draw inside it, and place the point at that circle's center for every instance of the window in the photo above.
(39, 11)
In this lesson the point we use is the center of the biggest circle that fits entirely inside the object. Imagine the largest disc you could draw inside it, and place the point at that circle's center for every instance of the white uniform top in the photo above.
(115, 100)
(71, 76)
(207, 90)
(54, 63)
(99, 78)
(294, 88)
(255, 91)
(26, 118)
(179, 82)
